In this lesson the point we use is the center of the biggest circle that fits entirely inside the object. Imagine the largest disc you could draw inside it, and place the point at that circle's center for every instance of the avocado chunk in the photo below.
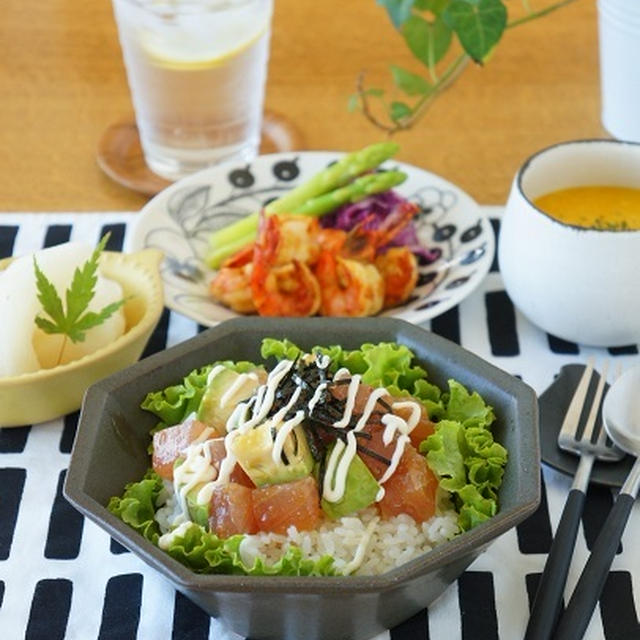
(361, 489)
(198, 512)
(215, 406)
(254, 452)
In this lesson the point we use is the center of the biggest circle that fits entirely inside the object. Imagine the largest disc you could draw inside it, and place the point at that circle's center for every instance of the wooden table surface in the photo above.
(62, 83)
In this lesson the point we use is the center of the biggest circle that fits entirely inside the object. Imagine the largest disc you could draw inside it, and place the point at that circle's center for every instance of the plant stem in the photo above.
(538, 14)
(445, 81)
(366, 110)
(452, 72)
(62, 346)
(442, 83)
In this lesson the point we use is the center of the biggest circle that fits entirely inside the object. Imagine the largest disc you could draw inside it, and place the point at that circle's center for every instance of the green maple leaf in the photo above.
(76, 320)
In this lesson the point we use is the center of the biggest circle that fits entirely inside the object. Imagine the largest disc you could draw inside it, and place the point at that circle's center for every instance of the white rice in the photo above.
(360, 545)
(391, 543)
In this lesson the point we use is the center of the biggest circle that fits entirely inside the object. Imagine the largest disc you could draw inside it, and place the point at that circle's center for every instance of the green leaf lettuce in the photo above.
(206, 553)
(465, 457)
(137, 506)
(199, 550)
(173, 404)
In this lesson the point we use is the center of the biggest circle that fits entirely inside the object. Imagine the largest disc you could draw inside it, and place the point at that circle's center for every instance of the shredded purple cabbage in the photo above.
(372, 211)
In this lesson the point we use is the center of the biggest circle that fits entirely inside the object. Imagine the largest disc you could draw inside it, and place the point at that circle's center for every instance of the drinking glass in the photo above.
(197, 71)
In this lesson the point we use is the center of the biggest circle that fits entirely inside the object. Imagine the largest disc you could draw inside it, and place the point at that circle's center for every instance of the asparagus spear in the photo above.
(337, 175)
(353, 192)
(357, 190)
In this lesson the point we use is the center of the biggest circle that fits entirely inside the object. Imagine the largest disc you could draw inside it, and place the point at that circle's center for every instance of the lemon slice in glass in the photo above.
(189, 45)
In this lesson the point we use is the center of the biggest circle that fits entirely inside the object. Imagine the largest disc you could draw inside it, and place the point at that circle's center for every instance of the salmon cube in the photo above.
(411, 489)
(218, 454)
(373, 451)
(276, 507)
(169, 443)
(231, 511)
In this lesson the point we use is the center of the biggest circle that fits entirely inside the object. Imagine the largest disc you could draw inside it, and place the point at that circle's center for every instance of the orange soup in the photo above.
(594, 207)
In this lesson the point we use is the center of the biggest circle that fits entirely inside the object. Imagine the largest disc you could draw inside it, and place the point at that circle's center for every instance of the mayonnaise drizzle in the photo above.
(416, 412)
(335, 477)
(354, 383)
(235, 386)
(204, 435)
(279, 415)
(317, 395)
(370, 405)
(223, 472)
(253, 412)
(284, 430)
(392, 424)
(219, 368)
(395, 458)
(322, 361)
(166, 540)
(266, 394)
(194, 470)
(354, 564)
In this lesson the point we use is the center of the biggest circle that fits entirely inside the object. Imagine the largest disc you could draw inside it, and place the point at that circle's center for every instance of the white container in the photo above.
(582, 285)
(197, 72)
(619, 36)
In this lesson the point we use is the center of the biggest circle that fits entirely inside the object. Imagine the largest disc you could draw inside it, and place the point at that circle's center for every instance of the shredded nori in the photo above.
(319, 425)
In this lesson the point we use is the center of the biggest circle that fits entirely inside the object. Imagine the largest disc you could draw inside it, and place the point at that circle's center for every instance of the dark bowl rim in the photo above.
(184, 577)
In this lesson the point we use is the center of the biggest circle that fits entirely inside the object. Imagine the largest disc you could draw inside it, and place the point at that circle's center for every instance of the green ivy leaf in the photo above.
(398, 10)
(479, 25)
(428, 41)
(435, 6)
(399, 110)
(411, 83)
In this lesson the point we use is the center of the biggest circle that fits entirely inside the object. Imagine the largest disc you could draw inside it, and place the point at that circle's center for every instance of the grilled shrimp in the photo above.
(348, 287)
(289, 238)
(232, 287)
(232, 284)
(351, 284)
(399, 269)
(281, 282)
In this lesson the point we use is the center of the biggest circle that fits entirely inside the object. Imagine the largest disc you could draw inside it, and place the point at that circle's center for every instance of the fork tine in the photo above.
(572, 416)
(595, 405)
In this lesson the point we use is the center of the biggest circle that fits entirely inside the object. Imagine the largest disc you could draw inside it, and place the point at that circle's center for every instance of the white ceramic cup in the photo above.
(582, 285)
(619, 37)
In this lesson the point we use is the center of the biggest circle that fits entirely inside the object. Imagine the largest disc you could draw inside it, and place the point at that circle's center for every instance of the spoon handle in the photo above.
(583, 600)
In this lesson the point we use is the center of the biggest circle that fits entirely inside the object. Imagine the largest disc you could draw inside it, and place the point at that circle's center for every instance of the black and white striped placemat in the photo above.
(63, 577)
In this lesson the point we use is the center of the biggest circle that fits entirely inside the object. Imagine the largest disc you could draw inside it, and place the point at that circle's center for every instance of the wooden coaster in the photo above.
(120, 154)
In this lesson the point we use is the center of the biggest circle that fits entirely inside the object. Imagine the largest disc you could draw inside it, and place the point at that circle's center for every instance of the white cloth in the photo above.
(81, 596)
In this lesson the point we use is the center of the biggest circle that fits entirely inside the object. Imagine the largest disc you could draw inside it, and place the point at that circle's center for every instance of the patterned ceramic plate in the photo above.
(180, 219)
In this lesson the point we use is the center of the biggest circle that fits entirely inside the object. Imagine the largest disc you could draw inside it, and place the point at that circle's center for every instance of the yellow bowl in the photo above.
(46, 394)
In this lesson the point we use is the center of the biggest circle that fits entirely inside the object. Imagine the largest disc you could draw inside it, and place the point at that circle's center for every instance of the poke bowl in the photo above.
(111, 452)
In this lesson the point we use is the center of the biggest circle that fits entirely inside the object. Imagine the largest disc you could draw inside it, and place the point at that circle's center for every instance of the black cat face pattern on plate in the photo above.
(180, 220)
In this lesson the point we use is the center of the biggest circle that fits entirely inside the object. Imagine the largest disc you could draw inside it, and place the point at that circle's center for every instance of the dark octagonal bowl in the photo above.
(111, 450)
